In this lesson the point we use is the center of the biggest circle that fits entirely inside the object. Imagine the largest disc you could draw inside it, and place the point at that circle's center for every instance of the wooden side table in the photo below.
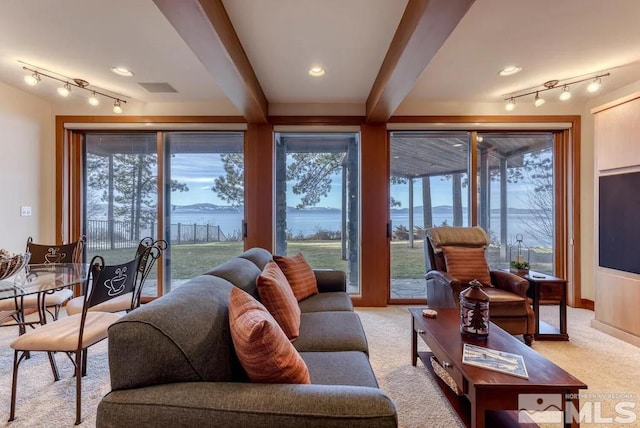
(548, 289)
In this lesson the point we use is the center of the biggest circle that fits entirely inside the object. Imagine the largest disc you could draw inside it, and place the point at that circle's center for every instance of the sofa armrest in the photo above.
(330, 280)
(244, 404)
(509, 282)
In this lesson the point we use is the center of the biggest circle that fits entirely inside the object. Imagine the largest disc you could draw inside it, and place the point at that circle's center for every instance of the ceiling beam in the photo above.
(206, 28)
(423, 29)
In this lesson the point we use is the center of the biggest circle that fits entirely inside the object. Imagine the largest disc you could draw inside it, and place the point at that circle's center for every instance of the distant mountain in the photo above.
(205, 207)
(314, 210)
(448, 209)
(213, 208)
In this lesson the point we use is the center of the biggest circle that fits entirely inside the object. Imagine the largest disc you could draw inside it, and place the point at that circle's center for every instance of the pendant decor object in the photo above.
(474, 311)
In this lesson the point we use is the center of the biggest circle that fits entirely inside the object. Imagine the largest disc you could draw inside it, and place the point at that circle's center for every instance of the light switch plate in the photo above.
(25, 211)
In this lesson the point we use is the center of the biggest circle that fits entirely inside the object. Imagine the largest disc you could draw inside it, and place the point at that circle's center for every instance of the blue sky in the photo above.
(198, 171)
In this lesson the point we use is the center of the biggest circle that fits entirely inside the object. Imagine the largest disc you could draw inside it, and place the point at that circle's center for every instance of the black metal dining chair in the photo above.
(73, 335)
(44, 254)
(150, 251)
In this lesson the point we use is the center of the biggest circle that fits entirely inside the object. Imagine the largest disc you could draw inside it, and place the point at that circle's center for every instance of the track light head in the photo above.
(594, 85)
(93, 100)
(32, 79)
(117, 108)
(565, 94)
(64, 91)
(538, 101)
(511, 104)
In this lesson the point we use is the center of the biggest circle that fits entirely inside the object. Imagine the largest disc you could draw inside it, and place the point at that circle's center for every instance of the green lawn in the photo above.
(190, 260)
(194, 259)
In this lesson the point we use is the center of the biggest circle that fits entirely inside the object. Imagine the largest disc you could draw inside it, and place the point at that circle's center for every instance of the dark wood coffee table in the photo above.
(486, 393)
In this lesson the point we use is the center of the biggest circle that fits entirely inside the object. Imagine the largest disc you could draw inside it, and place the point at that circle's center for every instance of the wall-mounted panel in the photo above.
(617, 135)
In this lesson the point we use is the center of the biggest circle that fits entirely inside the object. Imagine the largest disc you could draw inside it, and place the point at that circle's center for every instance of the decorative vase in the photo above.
(474, 311)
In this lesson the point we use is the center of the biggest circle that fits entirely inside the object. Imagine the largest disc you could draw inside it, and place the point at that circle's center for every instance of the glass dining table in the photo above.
(40, 280)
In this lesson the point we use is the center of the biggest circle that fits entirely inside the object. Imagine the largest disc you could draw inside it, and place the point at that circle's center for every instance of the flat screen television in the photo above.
(619, 222)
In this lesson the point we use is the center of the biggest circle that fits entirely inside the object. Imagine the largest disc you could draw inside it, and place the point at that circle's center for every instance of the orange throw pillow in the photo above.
(276, 295)
(466, 264)
(262, 347)
(299, 274)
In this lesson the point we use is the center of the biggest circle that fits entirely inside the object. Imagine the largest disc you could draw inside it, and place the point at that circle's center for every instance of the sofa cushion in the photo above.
(259, 256)
(299, 274)
(466, 264)
(331, 331)
(262, 347)
(340, 368)
(276, 295)
(240, 272)
(325, 302)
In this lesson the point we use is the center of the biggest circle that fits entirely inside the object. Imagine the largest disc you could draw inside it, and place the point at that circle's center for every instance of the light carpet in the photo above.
(607, 365)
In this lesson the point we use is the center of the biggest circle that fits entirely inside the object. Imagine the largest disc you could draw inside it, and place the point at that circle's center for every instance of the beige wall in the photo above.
(27, 168)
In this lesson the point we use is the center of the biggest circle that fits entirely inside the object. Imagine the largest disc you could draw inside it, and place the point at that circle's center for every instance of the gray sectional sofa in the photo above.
(172, 361)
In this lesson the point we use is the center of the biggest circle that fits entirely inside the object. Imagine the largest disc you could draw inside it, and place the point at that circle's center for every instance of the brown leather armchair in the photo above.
(464, 248)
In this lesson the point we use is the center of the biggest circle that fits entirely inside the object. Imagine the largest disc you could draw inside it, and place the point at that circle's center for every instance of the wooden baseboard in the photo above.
(587, 304)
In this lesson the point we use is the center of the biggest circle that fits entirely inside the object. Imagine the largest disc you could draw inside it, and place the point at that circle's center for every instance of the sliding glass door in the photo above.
(515, 190)
(317, 202)
(516, 196)
(188, 190)
(204, 201)
(428, 187)
(121, 195)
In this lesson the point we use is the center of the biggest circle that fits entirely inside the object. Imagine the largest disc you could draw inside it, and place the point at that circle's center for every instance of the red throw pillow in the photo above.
(299, 274)
(262, 347)
(466, 264)
(276, 295)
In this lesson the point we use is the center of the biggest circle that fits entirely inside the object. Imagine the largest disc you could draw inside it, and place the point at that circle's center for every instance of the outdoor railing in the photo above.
(111, 235)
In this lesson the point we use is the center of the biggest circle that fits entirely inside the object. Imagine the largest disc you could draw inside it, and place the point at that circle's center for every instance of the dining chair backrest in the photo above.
(55, 253)
(110, 281)
(150, 251)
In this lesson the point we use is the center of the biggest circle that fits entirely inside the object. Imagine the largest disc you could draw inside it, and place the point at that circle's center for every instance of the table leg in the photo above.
(569, 405)
(414, 342)
(563, 310)
(477, 411)
(536, 304)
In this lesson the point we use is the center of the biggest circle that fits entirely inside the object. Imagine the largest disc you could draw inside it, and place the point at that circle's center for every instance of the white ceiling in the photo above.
(550, 39)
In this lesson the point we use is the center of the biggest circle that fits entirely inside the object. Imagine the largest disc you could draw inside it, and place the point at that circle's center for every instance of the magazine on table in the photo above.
(492, 359)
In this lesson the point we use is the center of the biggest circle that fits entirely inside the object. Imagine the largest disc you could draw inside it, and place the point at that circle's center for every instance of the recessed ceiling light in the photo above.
(316, 71)
(122, 71)
(508, 71)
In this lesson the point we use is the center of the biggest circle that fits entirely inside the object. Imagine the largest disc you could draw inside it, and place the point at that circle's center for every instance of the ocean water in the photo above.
(309, 222)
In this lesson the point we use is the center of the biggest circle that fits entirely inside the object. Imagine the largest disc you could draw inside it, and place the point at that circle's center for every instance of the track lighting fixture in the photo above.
(64, 91)
(35, 76)
(116, 107)
(565, 94)
(594, 85)
(511, 104)
(32, 79)
(93, 100)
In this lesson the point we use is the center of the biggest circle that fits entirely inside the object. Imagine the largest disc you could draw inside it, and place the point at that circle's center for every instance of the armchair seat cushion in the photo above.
(505, 304)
